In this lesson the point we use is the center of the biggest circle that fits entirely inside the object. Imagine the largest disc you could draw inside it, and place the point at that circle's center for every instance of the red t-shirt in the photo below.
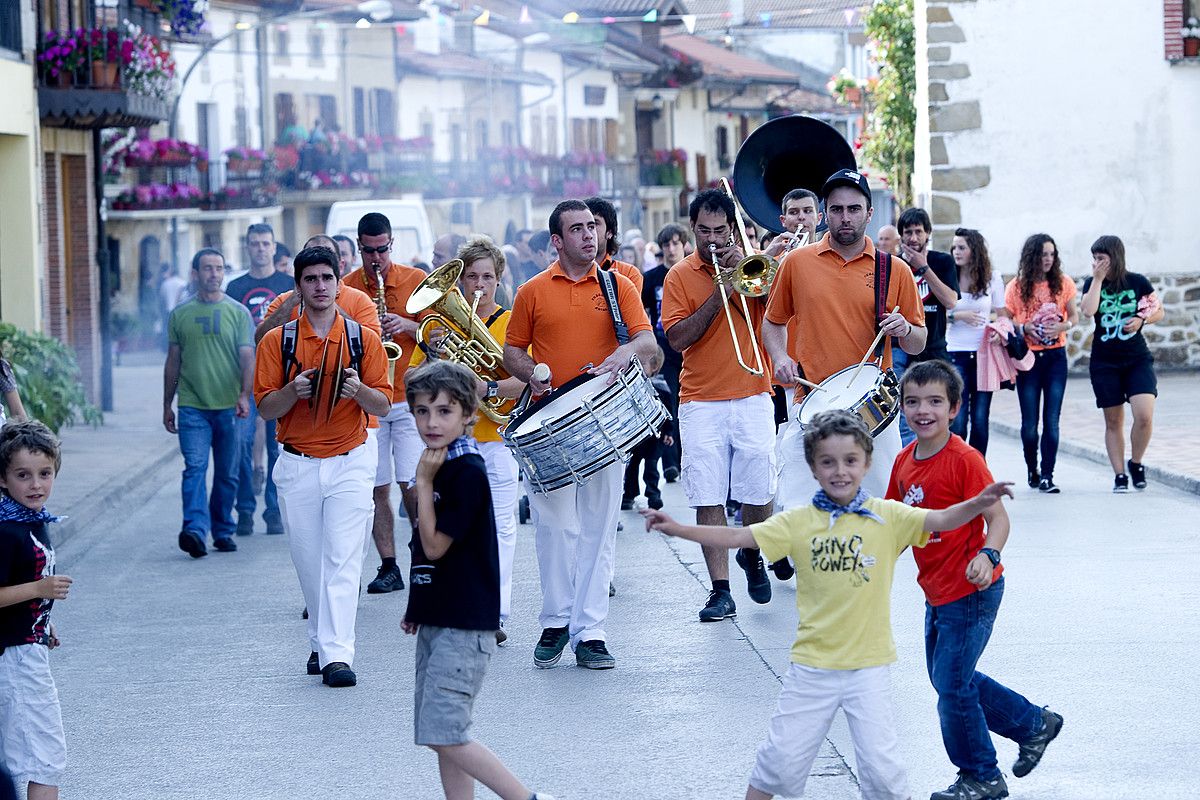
(956, 473)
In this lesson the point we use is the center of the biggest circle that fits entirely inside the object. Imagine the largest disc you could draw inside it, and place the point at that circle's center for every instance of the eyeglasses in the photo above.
(366, 251)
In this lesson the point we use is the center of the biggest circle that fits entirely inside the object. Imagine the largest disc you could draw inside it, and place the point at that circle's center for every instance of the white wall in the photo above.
(224, 78)
(1087, 128)
(538, 100)
(576, 109)
(422, 96)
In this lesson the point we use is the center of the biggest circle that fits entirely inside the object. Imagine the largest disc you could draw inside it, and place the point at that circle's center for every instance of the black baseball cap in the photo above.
(847, 177)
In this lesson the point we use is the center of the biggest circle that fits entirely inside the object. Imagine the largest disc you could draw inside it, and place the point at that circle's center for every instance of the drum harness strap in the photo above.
(609, 284)
(883, 277)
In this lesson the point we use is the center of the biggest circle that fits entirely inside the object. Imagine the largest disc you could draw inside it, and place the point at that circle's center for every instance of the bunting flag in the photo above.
(765, 19)
(608, 20)
(848, 13)
(651, 16)
(689, 22)
(571, 17)
(524, 18)
(483, 18)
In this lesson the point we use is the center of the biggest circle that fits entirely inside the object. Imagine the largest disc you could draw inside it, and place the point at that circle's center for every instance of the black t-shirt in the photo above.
(25, 556)
(944, 267)
(462, 588)
(652, 293)
(257, 293)
(1110, 344)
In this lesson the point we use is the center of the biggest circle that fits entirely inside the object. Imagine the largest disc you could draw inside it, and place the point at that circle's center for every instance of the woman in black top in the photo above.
(1122, 369)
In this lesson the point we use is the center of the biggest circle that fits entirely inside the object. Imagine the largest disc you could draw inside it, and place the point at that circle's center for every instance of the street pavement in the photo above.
(184, 678)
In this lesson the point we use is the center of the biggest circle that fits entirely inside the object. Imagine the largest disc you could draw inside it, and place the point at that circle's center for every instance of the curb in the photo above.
(1177, 480)
(134, 490)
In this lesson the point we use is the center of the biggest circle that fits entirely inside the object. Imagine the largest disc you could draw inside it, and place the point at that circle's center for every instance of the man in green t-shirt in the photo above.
(210, 362)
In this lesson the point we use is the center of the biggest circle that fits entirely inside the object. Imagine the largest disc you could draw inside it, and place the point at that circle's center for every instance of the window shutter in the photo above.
(1172, 23)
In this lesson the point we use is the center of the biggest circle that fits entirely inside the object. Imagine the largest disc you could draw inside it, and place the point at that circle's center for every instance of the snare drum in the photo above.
(583, 426)
(874, 395)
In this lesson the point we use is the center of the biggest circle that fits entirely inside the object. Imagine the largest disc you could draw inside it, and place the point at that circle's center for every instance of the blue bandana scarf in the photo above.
(12, 511)
(856, 506)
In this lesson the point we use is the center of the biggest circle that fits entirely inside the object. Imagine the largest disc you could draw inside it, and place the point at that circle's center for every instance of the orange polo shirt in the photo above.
(398, 286)
(565, 323)
(623, 268)
(833, 301)
(356, 305)
(346, 428)
(710, 369)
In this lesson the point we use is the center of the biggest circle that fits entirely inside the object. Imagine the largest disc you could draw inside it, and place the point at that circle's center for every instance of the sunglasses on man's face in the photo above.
(369, 250)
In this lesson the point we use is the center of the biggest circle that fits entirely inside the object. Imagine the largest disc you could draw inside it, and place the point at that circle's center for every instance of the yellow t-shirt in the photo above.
(843, 579)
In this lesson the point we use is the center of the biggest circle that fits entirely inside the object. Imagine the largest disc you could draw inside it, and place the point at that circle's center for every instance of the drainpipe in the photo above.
(102, 262)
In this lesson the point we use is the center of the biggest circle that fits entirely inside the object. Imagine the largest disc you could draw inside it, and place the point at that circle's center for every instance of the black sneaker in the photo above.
(192, 543)
(758, 585)
(654, 501)
(225, 545)
(550, 647)
(612, 589)
(274, 527)
(782, 568)
(671, 474)
(388, 579)
(501, 636)
(1047, 486)
(594, 655)
(719, 606)
(245, 525)
(968, 788)
(1121, 484)
(1031, 750)
(627, 504)
(338, 674)
(313, 667)
(1034, 479)
(1138, 473)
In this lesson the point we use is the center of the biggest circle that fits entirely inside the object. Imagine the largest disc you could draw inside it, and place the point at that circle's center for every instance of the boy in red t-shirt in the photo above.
(960, 572)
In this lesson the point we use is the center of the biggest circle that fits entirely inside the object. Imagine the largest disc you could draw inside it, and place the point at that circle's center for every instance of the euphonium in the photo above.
(392, 350)
(467, 341)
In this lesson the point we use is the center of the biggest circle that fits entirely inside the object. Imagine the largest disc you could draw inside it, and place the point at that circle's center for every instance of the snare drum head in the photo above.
(839, 392)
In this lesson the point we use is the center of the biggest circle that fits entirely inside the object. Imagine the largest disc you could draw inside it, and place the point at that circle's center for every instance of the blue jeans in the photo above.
(245, 489)
(970, 703)
(976, 405)
(899, 364)
(199, 432)
(1044, 386)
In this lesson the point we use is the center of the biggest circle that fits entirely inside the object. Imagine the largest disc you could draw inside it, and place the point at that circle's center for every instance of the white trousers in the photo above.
(576, 544)
(503, 474)
(326, 505)
(797, 484)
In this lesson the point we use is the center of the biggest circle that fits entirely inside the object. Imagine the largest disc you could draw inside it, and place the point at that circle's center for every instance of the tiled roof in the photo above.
(724, 65)
(783, 14)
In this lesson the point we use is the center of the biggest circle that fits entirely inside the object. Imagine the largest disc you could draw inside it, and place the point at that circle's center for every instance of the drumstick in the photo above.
(871, 349)
(814, 386)
(541, 373)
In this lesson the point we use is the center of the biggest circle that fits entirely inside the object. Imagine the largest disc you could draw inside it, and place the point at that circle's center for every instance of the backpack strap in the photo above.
(609, 286)
(883, 278)
(287, 348)
(354, 339)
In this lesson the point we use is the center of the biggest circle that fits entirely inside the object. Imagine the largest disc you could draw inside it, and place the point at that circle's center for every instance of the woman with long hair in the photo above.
(1121, 368)
(1041, 302)
(981, 298)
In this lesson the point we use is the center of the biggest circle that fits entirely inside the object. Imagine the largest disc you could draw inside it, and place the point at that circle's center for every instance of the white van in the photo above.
(411, 233)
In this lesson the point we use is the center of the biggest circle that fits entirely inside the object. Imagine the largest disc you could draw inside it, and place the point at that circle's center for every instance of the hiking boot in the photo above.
(1034, 479)
(225, 545)
(388, 579)
(1047, 486)
(719, 606)
(1121, 484)
(550, 647)
(968, 788)
(313, 667)
(782, 568)
(192, 543)
(594, 655)
(1138, 473)
(338, 674)
(758, 585)
(1031, 750)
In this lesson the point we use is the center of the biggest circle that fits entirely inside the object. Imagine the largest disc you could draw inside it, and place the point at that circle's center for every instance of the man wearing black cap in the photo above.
(830, 289)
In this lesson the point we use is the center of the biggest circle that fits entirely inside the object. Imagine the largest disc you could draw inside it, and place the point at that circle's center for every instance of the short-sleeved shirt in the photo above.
(942, 265)
(1118, 305)
(623, 268)
(25, 556)
(462, 588)
(710, 368)
(566, 323)
(355, 303)
(316, 434)
(210, 337)
(398, 286)
(256, 294)
(961, 336)
(955, 473)
(8, 381)
(843, 579)
(1023, 312)
(834, 303)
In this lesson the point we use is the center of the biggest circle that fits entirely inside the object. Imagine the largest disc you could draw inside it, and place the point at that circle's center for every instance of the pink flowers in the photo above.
(159, 196)
(163, 152)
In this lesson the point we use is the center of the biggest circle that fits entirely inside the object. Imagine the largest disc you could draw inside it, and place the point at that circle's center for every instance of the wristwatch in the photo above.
(493, 389)
(921, 271)
(993, 555)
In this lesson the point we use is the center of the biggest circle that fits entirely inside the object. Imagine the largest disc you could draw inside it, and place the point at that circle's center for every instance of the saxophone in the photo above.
(392, 350)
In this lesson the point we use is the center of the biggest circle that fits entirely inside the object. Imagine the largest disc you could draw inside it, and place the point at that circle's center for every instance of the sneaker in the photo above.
(1034, 479)
(1138, 473)
(612, 589)
(671, 474)
(192, 543)
(388, 579)
(225, 545)
(758, 585)
(259, 480)
(501, 636)
(968, 788)
(313, 667)
(1031, 750)
(782, 568)
(550, 647)
(1121, 484)
(274, 527)
(719, 606)
(654, 501)
(1047, 486)
(245, 526)
(627, 504)
(338, 674)
(594, 655)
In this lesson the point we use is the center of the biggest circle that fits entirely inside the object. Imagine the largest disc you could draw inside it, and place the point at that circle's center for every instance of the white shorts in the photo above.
(728, 450)
(31, 729)
(400, 447)
(797, 485)
(807, 703)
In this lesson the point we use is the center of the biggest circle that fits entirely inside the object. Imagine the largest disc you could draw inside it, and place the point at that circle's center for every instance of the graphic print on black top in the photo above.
(257, 293)
(25, 556)
(1118, 305)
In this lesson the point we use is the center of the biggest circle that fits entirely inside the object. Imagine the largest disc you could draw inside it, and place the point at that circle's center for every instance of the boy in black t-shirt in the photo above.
(454, 582)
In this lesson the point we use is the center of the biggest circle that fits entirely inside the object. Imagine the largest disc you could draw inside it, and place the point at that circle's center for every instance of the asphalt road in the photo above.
(185, 679)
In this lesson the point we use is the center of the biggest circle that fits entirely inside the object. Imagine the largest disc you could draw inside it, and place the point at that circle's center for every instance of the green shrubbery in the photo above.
(47, 378)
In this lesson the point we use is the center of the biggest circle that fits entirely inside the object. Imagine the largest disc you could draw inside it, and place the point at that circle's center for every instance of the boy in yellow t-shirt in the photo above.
(845, 545)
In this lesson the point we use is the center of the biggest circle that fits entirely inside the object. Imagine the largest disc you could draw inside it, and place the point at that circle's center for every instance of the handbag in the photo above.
(1016, 346)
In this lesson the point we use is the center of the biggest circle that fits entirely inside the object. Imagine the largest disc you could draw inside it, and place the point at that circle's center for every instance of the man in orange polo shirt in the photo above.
(829, 287)
(561, 318)
(726, 417)
(399, 443)
(327, 466)
(605, 214)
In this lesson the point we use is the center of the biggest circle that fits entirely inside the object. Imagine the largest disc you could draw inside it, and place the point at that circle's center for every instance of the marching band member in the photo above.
(605, 214)
(562, 314)
(799, 215)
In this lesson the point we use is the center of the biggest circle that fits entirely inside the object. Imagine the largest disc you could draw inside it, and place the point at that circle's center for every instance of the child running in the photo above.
(960, 571)
(454, 595)
(31, 729)
(844, 545)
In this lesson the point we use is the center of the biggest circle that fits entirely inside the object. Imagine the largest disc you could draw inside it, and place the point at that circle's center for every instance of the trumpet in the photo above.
(392, 350)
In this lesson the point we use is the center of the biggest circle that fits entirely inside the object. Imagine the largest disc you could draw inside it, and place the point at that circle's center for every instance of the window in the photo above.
(481, 136)
(594, 95)
(281, 43)
(535, 133)
(723, 160)
(316, 46)
(385, 112)
(552, 138)
(360, 112)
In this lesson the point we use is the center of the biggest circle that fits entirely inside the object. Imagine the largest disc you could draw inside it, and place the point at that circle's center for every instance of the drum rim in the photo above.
(579, 380)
